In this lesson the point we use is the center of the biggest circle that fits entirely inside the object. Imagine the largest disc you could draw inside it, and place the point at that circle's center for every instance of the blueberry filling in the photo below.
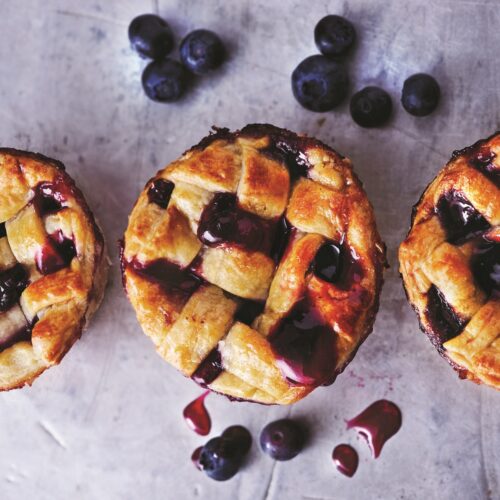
(283, 232)
(12, 283)
(3, 232)
(445, 322)
(22, 335)
(290, 154)
(248, 311)
(459, 218)
(223, 221)
(326, 263)
(483, 160)
(170, 276)
(209, 369)
(160, 192)
(48, 198)
(304, 345)
(56, 254)
(485, 265)
(337, 264)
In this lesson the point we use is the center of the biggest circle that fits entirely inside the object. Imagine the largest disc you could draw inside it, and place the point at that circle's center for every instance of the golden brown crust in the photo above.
(58, 299)
(438, 267)
(197, 327)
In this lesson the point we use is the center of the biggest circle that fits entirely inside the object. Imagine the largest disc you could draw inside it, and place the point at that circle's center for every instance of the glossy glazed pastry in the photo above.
(52, 265)
(254, 264)
(450, 261)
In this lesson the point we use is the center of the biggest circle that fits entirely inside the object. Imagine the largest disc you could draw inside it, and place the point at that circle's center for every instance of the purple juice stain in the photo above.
(195, 458)
(377, 424)
(196, 415)
(346, 459)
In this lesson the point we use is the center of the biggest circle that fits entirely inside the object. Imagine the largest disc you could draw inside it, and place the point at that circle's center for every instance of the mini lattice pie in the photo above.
(450, 261)
(254, 264)
(52, 265)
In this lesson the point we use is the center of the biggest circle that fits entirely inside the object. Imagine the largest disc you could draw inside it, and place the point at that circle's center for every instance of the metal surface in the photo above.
(106, 423)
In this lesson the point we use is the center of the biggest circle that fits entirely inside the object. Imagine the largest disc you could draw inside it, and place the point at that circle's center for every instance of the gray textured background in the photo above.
(107, 423)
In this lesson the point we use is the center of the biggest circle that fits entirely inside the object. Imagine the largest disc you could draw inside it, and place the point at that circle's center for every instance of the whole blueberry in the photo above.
(334, 36)
(165, 81)
(420, 95)
(202, 51)
(282, 439)
(151, 36)
(219, 459)
(371, 107)
(240, 436)
(319, 84)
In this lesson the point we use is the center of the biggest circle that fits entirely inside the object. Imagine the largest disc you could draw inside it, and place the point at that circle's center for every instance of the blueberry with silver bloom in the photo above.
(282, 439)
(202, 51)
(219, 459)
(334, 36)
(371, 107)
(165, 81)
(421, 94)
(319, 84)
(151, 36)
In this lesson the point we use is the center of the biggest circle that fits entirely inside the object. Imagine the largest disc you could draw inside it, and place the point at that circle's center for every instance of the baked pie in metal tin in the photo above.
(450, 261)
(254, 264)
(52, 265)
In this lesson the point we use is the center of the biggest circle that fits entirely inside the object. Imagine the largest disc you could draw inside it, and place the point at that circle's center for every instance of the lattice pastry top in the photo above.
(254, 264)
(52, 265)
(450, 261)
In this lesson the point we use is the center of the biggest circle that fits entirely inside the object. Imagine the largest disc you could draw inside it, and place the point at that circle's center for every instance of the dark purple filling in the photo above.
(56, 254)
(209, 369)
(49, 198)
(459, 218)
(445, 322)
(485, 265)
(248, 311)
(326, 263)
(483, 160)
(283, 232)
(304, 345)
(289, 152)
(223, 221)
(160, 192)
(3, 232)
(337, 264)
(12, 283)
(23, 335)
(170, 276)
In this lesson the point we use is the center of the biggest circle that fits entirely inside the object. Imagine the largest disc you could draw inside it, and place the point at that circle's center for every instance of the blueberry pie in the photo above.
(450, 262)
(254, 264)
(52, 265)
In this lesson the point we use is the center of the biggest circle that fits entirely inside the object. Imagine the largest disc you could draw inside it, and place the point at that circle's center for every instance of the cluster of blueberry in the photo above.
(321, 82)
(222, 456)
(164, 79)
